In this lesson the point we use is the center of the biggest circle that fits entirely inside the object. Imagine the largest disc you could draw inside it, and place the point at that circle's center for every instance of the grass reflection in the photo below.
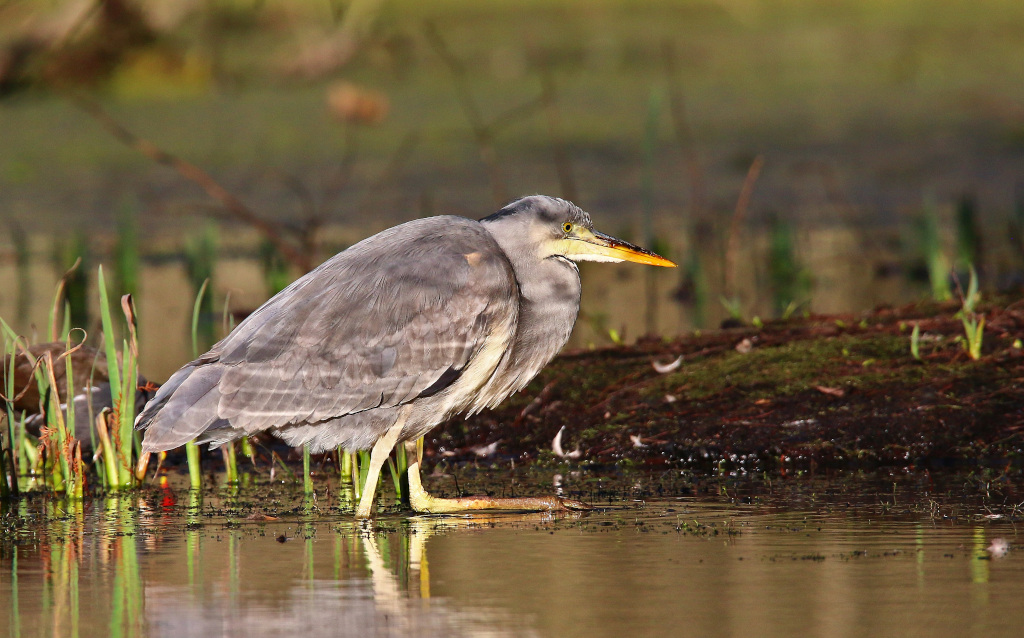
(192, 527)
(273, 560)
(71, 557)
(127, 609)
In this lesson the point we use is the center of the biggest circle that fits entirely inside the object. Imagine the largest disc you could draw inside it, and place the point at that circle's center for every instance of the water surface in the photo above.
(811, 560)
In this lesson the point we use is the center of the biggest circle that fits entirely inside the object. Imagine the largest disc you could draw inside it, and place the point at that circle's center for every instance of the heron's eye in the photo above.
(567, 227)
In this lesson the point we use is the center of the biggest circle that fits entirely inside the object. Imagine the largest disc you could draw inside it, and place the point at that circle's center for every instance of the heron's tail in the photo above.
(183, 408)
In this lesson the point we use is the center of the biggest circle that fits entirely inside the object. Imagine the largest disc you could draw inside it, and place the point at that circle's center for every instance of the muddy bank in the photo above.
(841, 391)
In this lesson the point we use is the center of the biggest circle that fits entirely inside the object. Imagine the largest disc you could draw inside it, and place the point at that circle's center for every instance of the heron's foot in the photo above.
(427, 504)
(364, 509)
(423, 502)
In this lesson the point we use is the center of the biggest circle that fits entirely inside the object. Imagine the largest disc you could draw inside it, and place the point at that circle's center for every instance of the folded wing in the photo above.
(393, 318)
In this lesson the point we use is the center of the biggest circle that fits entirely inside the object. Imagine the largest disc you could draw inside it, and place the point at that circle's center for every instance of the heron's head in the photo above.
(550, 227)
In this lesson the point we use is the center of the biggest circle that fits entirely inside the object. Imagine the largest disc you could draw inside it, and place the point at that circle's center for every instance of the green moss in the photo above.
(843, 362)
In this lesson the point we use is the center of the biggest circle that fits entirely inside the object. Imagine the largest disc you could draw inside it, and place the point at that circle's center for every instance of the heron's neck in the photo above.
(553, 285)
(550, 293)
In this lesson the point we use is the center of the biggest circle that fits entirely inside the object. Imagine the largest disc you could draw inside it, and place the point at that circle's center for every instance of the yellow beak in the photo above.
(590, 245)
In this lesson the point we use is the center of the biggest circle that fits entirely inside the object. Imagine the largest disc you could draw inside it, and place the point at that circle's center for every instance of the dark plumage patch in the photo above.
(447, 378)
(382, 363)
(549, 210)
(565, 293)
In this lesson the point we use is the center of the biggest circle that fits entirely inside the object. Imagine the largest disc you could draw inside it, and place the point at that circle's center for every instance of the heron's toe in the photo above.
(573, 505)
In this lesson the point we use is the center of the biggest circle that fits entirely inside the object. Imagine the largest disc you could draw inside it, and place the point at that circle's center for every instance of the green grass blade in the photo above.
(68, 423)
(364, 469)
(195, 472)
(915, 342)
(55, 424)
(65, 329)
(345, 465)
(972, 291)
(396, 477)
(109, 342)
(357, 485)
(307, 480)
(10, 348)
(195, 318)
(51, 322)
(126, 420)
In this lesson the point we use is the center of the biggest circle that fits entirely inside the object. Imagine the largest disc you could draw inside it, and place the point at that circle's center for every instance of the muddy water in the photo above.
(813, 561)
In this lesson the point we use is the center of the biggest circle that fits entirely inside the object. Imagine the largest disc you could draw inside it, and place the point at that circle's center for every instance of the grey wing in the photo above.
(395, 317)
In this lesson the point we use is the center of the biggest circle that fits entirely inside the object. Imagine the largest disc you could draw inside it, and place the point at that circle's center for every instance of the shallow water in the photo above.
(807, 559)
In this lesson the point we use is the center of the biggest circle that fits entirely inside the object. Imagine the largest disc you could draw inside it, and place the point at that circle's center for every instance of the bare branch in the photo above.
(483, 133)
(684, 136)
(742, 204)
(234, 206)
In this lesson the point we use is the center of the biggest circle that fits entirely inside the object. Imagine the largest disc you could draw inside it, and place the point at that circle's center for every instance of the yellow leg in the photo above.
(378, 456)
(418, 497)
(421, 501)
(140, 469)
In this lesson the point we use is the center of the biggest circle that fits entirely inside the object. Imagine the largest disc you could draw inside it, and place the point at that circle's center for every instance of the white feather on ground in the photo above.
(556, 447)
(665, 368)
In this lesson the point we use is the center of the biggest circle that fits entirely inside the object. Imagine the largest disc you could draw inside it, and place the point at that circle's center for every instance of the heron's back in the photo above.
(395, 319)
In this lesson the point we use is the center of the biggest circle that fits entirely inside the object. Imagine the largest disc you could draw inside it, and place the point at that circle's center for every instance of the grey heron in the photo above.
(392, 337)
